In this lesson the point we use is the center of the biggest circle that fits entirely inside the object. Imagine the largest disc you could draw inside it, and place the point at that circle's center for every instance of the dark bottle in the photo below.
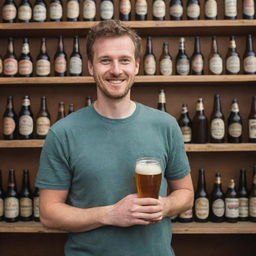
(243, 196)
(200, 124)
(89, 10)
(60, 60)
(71, 108)
(89, 100)
(233, 58)
(252, 121)
(61, 111)
(25, 11)
(248, 9)
(201, 199)
(176, 10)
(217, 123)
(11, 201)
(141, 9)
(9, 121)
(235, 125)
(149, 59)
(185, 124)
(1, 198)
(182, 60)
(43, 121)
(75, 61)
(249, 57)
(73, 10)
(215, 60)
(36, 212)
(106, 9)
(252, 198)
(217, 212)
(43, 65)
(1, 65)
(186, 216)
(193, 10)
(25, 121)
(10, 60)
(161, 101)
(39, 11)
(125, 10)
(159, 10)
(197, 59)
(9, 11)
(165, 61)
(56, 10)
(25, 64)
(231, 203)
(230, 9)
(210, 10)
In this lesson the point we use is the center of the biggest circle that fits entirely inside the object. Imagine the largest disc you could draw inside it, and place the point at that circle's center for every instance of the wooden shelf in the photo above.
(21, 143)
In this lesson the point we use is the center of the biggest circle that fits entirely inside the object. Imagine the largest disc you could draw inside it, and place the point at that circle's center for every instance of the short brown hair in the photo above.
(111, 28)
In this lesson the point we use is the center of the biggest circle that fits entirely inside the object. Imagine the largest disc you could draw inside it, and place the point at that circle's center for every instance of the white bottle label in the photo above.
(42, 125)
(24, 12)
(230, 8)
(159, 9)
(166, 67)
(235, 130)
(25, 125)
(10, 66)
(216, 65)
(252, 207)
(11, 207)
(9, 12)
(73, 9)
(183, 67)
(217, 128)
(193, 11)
(149, 65)
(36, 207)
(248, 7)
(202, 208)
(89, 9)
(243, 207)
(233, 64)
(141, 7)
(186, 133)
(75, 65)
(26, 207)
(176, 10)
(252, 128)
(211, 9)
(232, 207)
(39, 13)
(250, 64)
(106, 10)
(218, 207)
(43, 67)
(56, 11)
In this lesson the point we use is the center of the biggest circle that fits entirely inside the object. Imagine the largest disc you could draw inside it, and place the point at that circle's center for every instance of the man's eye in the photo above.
(105, 61)
(125, 61)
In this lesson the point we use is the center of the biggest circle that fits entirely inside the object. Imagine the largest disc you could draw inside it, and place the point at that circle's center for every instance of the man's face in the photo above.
(114, 66)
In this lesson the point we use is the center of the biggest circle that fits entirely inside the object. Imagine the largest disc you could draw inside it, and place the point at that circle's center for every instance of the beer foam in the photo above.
(148, 169)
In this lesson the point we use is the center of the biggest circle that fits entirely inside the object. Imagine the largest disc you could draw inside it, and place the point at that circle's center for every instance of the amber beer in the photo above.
(148, 177)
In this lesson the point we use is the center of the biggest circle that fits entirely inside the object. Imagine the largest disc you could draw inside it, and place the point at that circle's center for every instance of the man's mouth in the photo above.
(115, 81)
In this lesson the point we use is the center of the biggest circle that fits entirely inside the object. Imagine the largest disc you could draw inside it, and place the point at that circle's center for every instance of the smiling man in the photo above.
(86, 174)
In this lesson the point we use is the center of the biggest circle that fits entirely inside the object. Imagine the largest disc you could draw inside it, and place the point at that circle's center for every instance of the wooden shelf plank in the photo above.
(21, 143)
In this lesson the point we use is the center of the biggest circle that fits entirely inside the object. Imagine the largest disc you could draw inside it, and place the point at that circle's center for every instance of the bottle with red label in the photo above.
(9, 11)
(149, 59)
(43, 64)
(60, 60)
(243, 195)
(25, 64)
(10, 61)
(197, 59)
(125, 10)
(248, 9)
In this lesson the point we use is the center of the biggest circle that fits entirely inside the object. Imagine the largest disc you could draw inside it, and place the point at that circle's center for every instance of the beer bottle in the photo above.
(217, 124)
(89, 101)
(141, 9)
(210, 10)
(252, 121)
(186, 216)
(185, 124)
(9, 11)
(230, 9)
(9, 121)
(25, 63)
(252, 198)
(165, 61)
(26, 199)
(248, 9)
(26, 124)
(61, 111)
(149, 59)
(200, 124)
(217, 201)
(1, 198)
(106, 9)
(176, 10)
(43, 65)
(73, 10)
(75, 61)
(231, 203)
(89, 10)
(125, 10)
(1, 65)
(233, 59)
(43, 121)
(243, 196)
(39, 11)
(55, 10)
(235, 125)
(182, 60)
(36, 212)
(193, 10)
(197, 59)
(60, 60)
(25, 11)
(70, 108)
(215, 60)
(249, 57)
(10, 60)
(161, 101)
(159, 10)
(11, 201)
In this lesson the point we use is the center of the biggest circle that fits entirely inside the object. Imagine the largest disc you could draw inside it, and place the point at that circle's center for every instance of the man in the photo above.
(86, 174)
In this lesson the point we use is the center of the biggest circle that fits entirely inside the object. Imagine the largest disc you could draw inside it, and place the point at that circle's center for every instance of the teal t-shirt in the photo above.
(94, 158)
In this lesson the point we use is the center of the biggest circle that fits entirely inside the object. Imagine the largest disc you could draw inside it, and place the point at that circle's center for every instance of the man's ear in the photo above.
(90, 67)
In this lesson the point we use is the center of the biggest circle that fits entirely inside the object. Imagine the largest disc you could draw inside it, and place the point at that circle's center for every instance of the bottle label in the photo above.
(199, 106)
(125, 7)
(193, 11)
(183, 67)
(25, 67)
(24, 12)
(43, 67)
(39, 12)
(9, 12)
(56, 11)
(176, 10)
(141, 7)
(89, 9)
(232, 207)
(216, 65)
(202, 208)
(252, 207)
(26, 102)
(217, 128)
(235, 130)
(36, 207)
(150, 65)
(198, 64)
(187, 214)
(250, 64)
(166, 67)
(73, 9)
(25, 125)
(252, 128)
(106, 10)
(218, 207)
(42, 125)
(10, 66)
(8, 126)
(159, 9)
(230, 8)
(248, 7)
(234, 107)
(25, 48)
(161, 98)
(11, 207)
(243, 207)
(233, 64)
(25, 207)
(186, 133)
(75, 65)
(211, 9)
(60, 65)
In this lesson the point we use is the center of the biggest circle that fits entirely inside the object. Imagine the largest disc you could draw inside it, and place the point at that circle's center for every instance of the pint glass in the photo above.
(148, 177)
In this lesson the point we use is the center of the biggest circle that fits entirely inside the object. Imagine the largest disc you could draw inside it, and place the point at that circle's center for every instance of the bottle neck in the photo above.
(253, 106)
(26, 183)
(76, 44)
(197, 48)
(214, 46)
(201, 180)
(242, 179)
(182, 46)
(232, 45)
(11, 179)
(43, 46)
(60, 47)
(200, 106)
(43, 104)
(149, 46)
(10, 46)
(217, 104)
(161, 97)
(235, 107)
(25, 47)
(9, 103)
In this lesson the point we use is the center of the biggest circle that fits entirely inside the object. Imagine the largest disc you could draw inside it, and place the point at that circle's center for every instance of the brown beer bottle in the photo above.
(71, 108)
(161, 101)
(106, 9)
(10, 60)
(89, 10)
(125, 10)
(230, 9)
(165, 61)
(39, 11)
(249, 57)
(243, 196)
(252, 198)
(176, 10)
(182, 60)
(2, 195)
(200, 124)
(25, 11)
(159, 10)
(186, 216)
(217, 123)
(9, 11)
(43, 65)
(73, 10)
(25, 64)
(55, 10)
(36, 212)
(75, 61)
(61, 111)
(197, 59)
(233, 58)
(252, 121)
(60, 60)
(149, 59)
(9, 121)
(215, 60)
(185, 124)
(210, 10)
(141, 9)
(193, 10)
(248, 9)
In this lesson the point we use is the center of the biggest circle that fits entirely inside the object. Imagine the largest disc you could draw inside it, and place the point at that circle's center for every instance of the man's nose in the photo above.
(115, 68)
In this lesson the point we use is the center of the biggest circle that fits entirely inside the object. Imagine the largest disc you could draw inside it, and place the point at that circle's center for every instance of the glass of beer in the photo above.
(148, 177)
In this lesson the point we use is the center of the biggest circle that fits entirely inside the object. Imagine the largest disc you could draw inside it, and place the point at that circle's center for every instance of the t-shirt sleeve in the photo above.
(54, 170)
